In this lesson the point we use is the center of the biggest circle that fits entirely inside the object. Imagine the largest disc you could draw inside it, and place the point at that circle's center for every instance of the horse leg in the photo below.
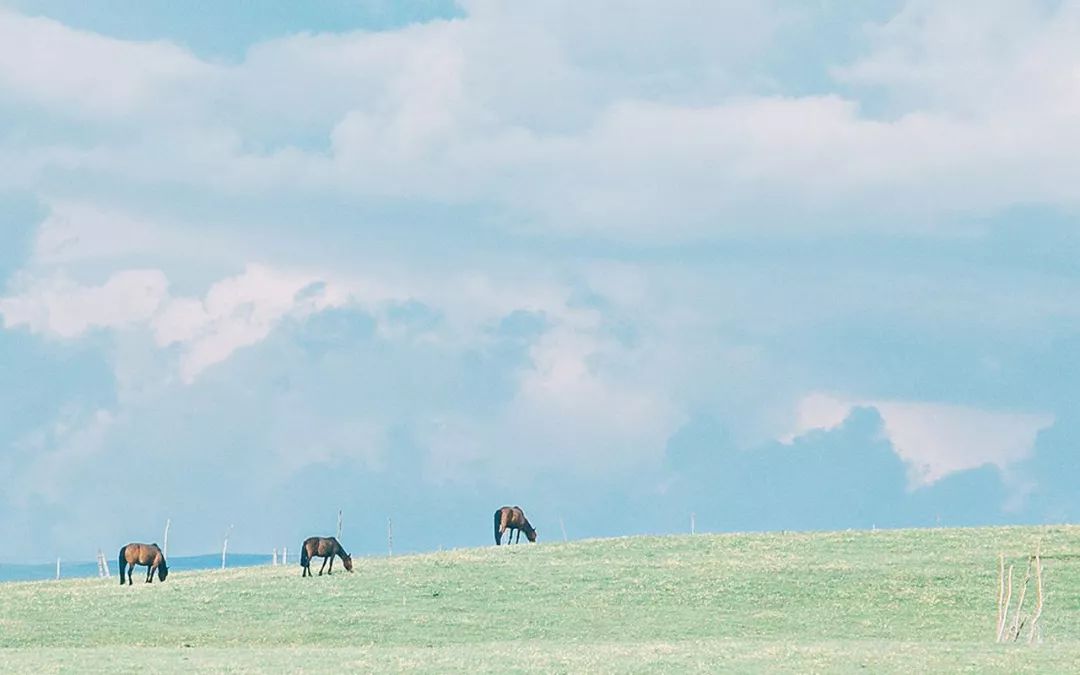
(331, 570)
(131, 568)
(149, 574)
(518, 539)
(323, 566)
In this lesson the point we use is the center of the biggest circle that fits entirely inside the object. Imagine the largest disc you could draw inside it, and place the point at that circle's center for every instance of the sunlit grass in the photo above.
(913, 600)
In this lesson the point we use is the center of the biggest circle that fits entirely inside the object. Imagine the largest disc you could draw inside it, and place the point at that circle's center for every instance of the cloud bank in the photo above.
(595, 257)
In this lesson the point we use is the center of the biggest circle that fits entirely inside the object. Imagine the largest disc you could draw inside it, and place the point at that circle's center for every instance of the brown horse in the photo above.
(325, 548)
(142, 554)
(512, 518)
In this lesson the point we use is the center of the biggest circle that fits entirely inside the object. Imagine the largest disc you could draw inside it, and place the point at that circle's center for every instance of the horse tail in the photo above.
(304, 557)
(122, 562)
(498, 521)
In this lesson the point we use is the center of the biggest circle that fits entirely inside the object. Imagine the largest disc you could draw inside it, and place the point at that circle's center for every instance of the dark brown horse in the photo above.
(512, 518)
(143, 554)
(325, 548)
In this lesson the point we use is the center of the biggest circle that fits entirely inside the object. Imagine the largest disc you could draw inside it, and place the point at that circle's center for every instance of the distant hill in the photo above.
(76, 570)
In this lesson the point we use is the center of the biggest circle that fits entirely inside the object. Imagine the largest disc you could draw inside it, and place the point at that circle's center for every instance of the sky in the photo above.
(780, 265)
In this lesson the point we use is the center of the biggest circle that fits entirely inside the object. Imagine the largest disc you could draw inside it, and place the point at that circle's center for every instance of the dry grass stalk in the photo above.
(1001, 595)
(1010, 631)
(1039, 600)
(1005, 604)
(1018, 621)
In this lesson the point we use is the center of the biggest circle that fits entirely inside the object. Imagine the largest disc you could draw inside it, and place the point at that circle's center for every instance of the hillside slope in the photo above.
(887, 600)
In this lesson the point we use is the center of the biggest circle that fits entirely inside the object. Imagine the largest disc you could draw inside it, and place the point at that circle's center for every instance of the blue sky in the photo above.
(782, 266)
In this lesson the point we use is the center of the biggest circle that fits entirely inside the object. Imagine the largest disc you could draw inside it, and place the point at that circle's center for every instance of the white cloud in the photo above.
(583, 402)
(66, 309)
(580, 403)
(986, 59)
(81, 232)
(196, 208)
(565, 127)
(236, 312)
(77, 73)
(578, 407)
(934, 439)
(242, 310)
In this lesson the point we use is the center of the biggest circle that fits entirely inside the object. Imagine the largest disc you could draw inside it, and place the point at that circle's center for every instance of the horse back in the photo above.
(142, 554)
(502, 517)
(517, 517)
(321, 546)
(511, 516)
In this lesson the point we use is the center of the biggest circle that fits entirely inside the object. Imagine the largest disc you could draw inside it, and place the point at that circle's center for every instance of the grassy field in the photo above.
(884, 601)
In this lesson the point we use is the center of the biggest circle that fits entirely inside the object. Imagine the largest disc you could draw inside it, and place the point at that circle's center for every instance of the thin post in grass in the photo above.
(693, 527)
(1010, 631)
(285, 555)
(1018, 621)
(274, 560)
(339, 524)
(1038, 599)
(225, 546)
(562, 526)
(1008, 599)
(389, 536)
(165, 548)
(58, 569)
(1001, 595)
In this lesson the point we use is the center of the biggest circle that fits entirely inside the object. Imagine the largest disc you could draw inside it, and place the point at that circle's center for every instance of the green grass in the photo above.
(884, 601)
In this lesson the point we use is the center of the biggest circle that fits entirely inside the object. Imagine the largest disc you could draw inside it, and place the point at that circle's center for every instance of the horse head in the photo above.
(530, 534)
(346, 560)
(162, 571)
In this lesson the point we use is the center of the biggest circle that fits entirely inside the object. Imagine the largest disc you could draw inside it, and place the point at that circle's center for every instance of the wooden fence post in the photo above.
(165, 549)
(225, 546)
(1033, 634)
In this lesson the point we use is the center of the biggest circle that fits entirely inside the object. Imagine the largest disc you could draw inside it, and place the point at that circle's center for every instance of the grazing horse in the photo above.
(143, 554)
(512, 518)
(325, 548)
